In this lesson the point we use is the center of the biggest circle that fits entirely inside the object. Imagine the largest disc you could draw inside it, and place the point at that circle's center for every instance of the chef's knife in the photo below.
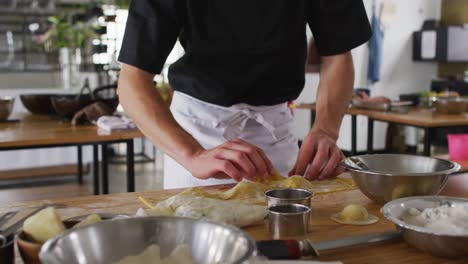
(295, 249)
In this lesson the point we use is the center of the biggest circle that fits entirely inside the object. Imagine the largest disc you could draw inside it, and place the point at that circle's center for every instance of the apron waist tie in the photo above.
(235, 125)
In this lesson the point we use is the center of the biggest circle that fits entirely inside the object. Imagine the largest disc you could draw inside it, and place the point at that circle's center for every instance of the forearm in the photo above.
(145, 106)
(334, 93)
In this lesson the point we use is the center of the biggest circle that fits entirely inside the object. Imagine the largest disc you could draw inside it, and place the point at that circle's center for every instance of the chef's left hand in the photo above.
(319, 149)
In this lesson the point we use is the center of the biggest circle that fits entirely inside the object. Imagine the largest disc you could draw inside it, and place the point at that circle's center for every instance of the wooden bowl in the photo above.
(38, 104)
(66, 106)
(29, 249)
(108, 95)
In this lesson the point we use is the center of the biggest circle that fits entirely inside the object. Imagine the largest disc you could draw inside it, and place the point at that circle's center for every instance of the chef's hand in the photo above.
(320, 151)
(234, 159)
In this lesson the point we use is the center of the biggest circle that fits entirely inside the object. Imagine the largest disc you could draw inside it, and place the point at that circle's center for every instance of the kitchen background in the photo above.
(27, 65)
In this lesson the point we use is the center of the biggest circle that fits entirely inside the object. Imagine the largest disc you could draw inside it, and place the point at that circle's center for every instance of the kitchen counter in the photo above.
(321, 227)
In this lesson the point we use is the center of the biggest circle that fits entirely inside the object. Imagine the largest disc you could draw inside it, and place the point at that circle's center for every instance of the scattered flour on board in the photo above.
(444, 219)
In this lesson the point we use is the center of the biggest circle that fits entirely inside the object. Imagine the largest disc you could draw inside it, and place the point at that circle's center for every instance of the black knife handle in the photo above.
(279, 249)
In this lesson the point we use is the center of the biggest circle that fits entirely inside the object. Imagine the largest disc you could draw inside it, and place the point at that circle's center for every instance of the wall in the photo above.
(399, 73)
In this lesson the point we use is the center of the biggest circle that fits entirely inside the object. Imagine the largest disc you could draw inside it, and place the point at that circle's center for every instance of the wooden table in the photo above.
(321, 227)
(35, 131)
(416, 117)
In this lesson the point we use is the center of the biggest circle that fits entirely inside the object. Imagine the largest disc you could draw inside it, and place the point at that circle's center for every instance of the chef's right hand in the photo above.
(234, 159)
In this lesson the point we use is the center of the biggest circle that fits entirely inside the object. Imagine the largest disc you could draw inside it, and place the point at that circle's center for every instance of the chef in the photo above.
(243, 61)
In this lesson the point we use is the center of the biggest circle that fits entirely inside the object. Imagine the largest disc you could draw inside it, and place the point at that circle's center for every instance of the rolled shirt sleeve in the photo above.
(338, 26)
(151, 31)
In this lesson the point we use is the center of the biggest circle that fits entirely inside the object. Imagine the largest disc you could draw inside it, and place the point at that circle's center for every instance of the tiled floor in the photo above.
(149, 176)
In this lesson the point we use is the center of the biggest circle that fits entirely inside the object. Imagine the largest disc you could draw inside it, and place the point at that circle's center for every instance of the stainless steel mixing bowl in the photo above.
(110, 241)
(434, 243)
(6, 106)
(385, 177)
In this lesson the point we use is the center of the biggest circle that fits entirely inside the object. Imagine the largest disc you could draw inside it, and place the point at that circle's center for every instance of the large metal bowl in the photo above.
(110, 241)
(6, 107)
(434, 243)
(385, 177)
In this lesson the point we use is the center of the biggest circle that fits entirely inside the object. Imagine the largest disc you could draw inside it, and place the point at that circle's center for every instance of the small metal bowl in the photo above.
(386, 177)
(6, 107)
(288, 196)
(435, 243)
(288, 221)
(110, 241)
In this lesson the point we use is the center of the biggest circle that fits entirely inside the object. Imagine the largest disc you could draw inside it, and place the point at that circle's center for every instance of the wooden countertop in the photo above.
(321, 227)
(415, 117)
(37, 130)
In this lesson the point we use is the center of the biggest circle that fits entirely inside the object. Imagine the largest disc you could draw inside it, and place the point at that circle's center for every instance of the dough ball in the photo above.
(354, 212)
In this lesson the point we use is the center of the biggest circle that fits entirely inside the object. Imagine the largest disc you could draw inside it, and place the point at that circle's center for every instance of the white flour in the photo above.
(443, 219)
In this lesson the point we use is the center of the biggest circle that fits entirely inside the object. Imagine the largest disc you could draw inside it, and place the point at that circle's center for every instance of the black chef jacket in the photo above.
(239, 51)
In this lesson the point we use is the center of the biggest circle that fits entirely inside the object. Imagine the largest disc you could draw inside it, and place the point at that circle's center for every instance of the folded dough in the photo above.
(231, 212)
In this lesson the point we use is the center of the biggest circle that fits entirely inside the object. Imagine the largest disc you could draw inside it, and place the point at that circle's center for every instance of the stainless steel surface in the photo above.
(6, 106)
(434, 243)
(393, 176)
(288, 220)
(110, 241)
(358, 163)
(450, 105)
(288, 196)
(6, 217)
(355, 241)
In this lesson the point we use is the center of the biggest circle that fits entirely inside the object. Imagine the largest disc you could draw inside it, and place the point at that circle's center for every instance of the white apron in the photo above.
(268, 127)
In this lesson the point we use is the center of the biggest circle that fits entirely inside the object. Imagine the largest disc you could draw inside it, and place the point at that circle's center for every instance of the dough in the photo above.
(247, 192)
(226, 211)
(253, 192)
(354, 214)
(242, 205)
(89, 220)
(152, 255)
(43, 225)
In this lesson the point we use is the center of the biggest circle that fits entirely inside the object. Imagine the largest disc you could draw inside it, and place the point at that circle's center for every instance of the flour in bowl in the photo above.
(443, 219)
